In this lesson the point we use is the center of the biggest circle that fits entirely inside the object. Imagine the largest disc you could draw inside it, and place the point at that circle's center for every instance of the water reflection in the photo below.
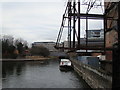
(39, 74)
(11, 68)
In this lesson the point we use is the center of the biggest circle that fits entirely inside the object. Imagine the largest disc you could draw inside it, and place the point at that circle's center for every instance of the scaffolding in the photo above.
(72, 15)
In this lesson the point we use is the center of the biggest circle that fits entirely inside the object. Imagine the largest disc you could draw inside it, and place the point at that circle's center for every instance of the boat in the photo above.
(65, 65)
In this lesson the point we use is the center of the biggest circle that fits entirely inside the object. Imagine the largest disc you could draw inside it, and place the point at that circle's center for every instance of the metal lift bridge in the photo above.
(73, 14)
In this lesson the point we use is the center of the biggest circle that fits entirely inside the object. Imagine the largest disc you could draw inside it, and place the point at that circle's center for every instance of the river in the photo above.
(39, 74)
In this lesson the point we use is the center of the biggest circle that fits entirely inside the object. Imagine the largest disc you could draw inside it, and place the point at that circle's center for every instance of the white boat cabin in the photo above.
(65, 62)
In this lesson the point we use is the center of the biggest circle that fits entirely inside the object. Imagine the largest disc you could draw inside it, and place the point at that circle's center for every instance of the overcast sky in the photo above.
(35, 21)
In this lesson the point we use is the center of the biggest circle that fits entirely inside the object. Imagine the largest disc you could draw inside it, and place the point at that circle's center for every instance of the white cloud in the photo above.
(31, 0)
(0, 18)
(32, 21)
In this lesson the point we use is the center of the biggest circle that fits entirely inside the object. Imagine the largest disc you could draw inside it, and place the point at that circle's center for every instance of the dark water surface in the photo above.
(39, 74)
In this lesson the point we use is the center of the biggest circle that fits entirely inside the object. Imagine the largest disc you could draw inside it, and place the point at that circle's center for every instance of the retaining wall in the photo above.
(95, 78)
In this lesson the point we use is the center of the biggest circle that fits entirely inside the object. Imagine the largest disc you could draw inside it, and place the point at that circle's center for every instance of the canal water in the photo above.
(39, 74)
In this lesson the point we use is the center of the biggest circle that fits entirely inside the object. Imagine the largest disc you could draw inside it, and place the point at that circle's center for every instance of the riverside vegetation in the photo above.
(18, 48)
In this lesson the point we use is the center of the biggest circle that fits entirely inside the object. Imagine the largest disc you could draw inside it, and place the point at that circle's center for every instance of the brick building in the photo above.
(111, 27)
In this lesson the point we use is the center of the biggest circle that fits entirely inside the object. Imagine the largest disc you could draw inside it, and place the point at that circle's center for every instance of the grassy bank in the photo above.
(37, 58)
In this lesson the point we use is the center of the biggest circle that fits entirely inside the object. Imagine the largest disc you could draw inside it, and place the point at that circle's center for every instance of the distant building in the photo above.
(96, 34)
(48, 45)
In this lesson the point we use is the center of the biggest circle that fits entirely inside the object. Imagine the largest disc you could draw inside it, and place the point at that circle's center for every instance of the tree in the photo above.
(11, 50)
(42, 51)
(9, 46)
(9, 39)
(8, 49)
(20, 40)
(26, 47)
(20, 47)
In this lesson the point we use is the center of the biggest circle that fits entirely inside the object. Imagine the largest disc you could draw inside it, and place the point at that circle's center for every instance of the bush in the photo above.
(42, 51)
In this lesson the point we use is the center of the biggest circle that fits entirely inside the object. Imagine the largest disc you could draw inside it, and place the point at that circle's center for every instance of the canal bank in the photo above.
(30, 58)
(94, 77)
(17, 60)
